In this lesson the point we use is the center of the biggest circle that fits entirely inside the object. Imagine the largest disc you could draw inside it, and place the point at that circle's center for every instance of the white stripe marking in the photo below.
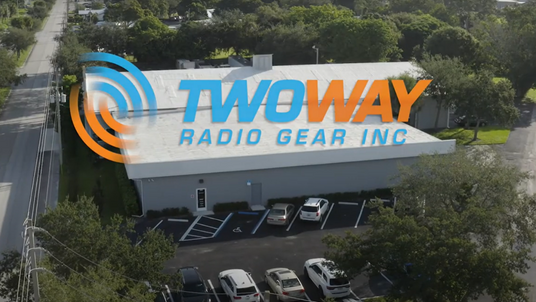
(352, 292)
(211, 233)
(190, 228)
(308, 298)
(207, 226)
(213, 290)
(388, 280)
(178, 220)
(213, 218)
(260, 222)
(294, 219)
(151, 230)
(327, 216)
(360, 213)
(349, 203)
(190, 235)
(193, 239)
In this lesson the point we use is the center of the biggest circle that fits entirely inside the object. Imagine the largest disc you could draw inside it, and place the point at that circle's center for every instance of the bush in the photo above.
(336, 197)
(231, 207)
(128, 192)
(168, 212)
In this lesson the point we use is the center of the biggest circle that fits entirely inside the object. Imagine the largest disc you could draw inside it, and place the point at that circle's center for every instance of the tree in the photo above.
(354, 41)
(289, 44)
(410, 82)
(195, 40)
(480, 97)
(411, 6)
(245, 6)
(108, 38)
(464, 9)
(236, 30)
(23, 22)
(10, 272)
(109, 246)
(317, 16)
(68, 54)
(39, 10)
(126, 11)
(415, 29)
(149, 39)
(512, 44)
(455, 42)
(9, 67)
(270, 15)
(97, 5)
(446, 74)
(461, 228)
(18, 40)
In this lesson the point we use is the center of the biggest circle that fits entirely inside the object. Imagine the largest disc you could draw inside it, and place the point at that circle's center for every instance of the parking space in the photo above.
(345, 215)
(368, 211)
(205, 227)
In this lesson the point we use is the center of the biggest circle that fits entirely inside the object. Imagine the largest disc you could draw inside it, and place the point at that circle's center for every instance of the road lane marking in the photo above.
(213, 290)
(294, 219)
(360, 213)
(222, 225)
(190, 228)
(260, 222)
(327, 216)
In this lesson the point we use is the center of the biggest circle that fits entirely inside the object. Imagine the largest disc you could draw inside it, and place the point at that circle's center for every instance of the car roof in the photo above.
(313, 201)
(190, 275)
(322, 262)
(286, 274)
(241, 279)
(280, 206)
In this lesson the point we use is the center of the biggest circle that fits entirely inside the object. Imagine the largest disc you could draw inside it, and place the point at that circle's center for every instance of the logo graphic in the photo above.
(122, 91)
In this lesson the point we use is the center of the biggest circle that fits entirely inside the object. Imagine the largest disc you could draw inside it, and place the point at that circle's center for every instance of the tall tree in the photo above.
(289, 44)
(415, 29)
(455, 42)
(461, 228)
(479, 97)
(67, 55)
(18, 40)
(446, 74)
(236, 30)
(10, 273)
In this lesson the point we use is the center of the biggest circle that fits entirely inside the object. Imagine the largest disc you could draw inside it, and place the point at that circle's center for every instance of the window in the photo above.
(194, 289)
(338, 281)
(316, 269)
(290, 208)
(291, 283)
(246, 291)
(312, 209)
(277, 212)
(325, 277)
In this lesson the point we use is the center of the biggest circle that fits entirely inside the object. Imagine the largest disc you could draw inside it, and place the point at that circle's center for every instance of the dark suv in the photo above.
(194, 287)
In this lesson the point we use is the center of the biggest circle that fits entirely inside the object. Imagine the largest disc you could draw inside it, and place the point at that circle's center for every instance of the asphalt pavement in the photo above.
(20, 124)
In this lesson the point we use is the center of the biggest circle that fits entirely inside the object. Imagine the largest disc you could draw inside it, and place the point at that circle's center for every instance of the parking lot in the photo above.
(244, 240)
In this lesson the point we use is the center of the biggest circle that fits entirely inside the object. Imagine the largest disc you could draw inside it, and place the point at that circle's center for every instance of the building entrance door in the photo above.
(256, 194)
(201, 199)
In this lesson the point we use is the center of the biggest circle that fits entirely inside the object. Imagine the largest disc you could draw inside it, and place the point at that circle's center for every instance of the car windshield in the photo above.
(277, 212)
(310, 209)
(246, 291)
(338, 281)
(291, 283)
(194, 289)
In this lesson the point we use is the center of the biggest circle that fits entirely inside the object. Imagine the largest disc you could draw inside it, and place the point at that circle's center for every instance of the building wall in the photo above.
(180, 191)
(425, 117)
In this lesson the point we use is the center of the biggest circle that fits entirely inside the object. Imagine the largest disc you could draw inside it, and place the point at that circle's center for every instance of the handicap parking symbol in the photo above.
(237, 230)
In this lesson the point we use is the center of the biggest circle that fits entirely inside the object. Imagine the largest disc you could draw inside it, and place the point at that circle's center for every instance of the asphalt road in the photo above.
(20, 122)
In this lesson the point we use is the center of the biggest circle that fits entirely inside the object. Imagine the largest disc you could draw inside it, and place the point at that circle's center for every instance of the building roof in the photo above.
(92, 11)
(159, 153)
(165, 83)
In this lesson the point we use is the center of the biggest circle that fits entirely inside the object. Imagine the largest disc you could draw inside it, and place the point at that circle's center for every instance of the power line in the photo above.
(66, 283)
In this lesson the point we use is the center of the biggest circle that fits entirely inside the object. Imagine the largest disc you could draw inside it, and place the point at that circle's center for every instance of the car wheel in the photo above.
(305, 273)
(321, 218)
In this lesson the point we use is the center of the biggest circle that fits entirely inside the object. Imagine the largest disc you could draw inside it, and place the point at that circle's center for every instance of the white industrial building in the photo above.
(168, 174)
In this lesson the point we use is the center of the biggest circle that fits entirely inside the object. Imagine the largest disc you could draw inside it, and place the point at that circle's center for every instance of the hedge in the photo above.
(336, 197)
(168, 212)
(128, 192)
(231, 206)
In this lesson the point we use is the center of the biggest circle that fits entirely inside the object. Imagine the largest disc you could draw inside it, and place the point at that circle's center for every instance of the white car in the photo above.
(285, 284)
(331, 283)
(239, 286)
(314, 209)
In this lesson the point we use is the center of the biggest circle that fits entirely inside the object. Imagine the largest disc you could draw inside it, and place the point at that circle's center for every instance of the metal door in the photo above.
(256, 194)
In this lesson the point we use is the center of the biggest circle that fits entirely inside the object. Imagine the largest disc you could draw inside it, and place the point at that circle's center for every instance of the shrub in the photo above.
(168, 212)
(336, 197)
(128, 192)
(231, 206)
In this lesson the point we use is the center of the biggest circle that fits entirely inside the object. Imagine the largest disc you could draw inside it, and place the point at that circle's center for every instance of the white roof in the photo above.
(91, 11)
(166, 83)
(159, 153)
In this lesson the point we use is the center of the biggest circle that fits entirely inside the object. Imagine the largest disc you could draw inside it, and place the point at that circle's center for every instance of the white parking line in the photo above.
(352, 292)
(388, 280)
(360, 213)
(190, 235)
(307, 297)
(177, 220)
(213, 290)
(349, 203)
(213, 218)
(207, 226)
(151, 230)
(211, 233)
(190, 228)
(294, 219)
(327, 216)
(260, 222)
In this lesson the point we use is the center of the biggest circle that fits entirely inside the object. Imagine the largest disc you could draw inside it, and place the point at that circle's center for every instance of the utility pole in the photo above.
(32, 253)
(316, 49)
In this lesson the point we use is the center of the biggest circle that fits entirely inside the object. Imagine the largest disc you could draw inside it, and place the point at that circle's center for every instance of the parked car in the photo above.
(280, 214)
(194, 288)
(239, 286)
(314, 209)
(330, 282)
(284, 283)
(462, 120)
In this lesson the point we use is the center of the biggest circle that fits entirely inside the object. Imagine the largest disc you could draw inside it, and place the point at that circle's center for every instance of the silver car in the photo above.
(280, 214)
(285, 284)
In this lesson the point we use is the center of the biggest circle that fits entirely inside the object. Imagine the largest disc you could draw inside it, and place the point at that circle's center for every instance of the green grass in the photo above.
(531, 94)
(222, 54)
(486, 135)
(24, 55)
(4, 92)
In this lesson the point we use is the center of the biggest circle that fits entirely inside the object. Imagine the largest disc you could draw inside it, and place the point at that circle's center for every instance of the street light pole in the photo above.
(316, 49)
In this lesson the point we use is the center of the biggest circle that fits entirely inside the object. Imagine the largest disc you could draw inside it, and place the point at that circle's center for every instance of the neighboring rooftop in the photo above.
(165, 83)
(159, 151)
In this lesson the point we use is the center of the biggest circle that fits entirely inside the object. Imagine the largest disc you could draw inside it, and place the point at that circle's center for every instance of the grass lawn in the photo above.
(3, 95)
(486, 135)
(531, 94)
(24, 55)
(222, 54)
